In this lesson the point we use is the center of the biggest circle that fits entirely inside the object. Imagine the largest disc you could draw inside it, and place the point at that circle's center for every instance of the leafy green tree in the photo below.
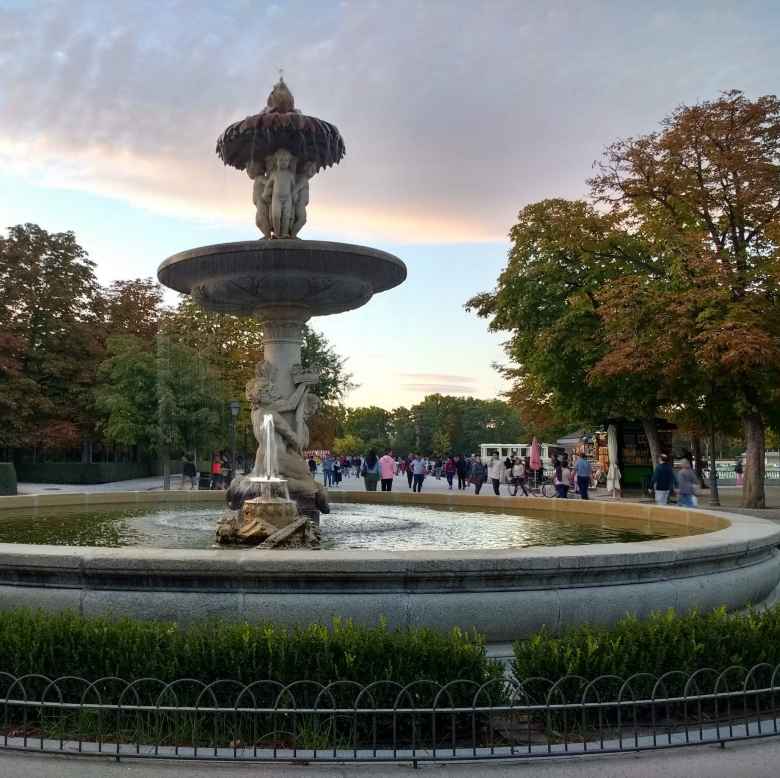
(371, 424)
(706, 188)
(192, 414)
(348, 445)
(441, 444)
(403, 436)
(134, 308)
(563, 254)
(51, 310)
(126, 393)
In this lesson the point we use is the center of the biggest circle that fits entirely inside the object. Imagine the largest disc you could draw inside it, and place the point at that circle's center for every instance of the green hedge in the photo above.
(68, 644)
(663, 642)
(92, 473)
(7, 478)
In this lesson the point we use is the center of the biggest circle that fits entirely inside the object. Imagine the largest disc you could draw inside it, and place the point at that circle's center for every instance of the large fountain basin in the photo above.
(503, 593)
(251, 277)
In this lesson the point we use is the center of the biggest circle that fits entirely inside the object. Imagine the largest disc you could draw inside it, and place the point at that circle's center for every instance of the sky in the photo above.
(455, 113)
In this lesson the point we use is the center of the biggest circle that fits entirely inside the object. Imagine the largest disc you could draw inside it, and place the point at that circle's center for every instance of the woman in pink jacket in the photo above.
(387, 471)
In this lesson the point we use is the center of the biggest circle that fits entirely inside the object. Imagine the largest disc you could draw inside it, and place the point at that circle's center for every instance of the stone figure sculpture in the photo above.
(256, 171)
(302, 195)
(290, 416)
(279, 193)
(280, 196)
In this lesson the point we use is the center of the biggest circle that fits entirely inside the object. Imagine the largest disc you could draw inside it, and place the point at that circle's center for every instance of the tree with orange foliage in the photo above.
(705, 190)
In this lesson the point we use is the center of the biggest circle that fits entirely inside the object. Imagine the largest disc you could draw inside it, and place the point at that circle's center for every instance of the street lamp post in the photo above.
(235, 407)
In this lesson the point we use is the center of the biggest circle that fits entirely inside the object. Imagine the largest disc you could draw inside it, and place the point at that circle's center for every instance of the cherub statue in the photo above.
(256, 170)
(264, 398)
(279, 191)
(302, 195)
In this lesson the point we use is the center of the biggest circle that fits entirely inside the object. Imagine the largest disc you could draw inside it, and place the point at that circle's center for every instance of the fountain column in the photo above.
(282, 341)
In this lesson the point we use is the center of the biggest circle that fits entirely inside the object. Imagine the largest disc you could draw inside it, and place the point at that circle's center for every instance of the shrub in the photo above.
(7, 478)
(658, 644)
(68, 644)
(89, 473)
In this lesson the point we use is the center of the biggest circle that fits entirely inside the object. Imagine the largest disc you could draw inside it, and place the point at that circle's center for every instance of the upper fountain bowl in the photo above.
(261, 277)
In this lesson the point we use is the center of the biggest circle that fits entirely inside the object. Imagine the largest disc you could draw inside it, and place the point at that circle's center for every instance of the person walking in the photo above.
(663, 480)
(312, 466)
(189, 473)
(371, 471)
(738, 471)
(584, 471)
(387, 471)
(477, 474)
(686, 486)
(409, 474)
(495, 473)
(561, 478)
(517, 474)
(461, 468)
(419, 470)
(450, 469)
(327, 470)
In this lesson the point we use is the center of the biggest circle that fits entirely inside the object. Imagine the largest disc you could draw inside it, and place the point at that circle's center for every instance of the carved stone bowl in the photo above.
(256, 277)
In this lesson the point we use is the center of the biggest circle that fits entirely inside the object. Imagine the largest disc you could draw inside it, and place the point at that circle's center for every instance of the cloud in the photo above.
(439, 388)
(448, 132)
(441, 377)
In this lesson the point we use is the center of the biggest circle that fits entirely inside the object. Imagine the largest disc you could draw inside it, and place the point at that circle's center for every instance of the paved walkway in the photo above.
(730, 496)
(757, 759)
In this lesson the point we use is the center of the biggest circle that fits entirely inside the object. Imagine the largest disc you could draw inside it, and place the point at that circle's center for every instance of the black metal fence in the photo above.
(384, 721)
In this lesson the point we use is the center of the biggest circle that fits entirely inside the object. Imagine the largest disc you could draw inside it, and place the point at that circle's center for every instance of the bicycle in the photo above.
(544, 488)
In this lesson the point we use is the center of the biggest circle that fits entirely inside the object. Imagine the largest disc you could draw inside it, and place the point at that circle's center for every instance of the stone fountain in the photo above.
(283, 281)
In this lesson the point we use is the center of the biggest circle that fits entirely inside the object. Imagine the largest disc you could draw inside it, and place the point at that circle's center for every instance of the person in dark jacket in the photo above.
(461, 468)
(663, 480)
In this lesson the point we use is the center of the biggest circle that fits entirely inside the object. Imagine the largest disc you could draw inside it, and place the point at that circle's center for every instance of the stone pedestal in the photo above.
(268, 524)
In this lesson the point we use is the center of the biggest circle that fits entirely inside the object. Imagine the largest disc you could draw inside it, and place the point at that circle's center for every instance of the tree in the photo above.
(707, 188)
(348, 445)
(134, 308)
(563, 254)
(51, 311)
(126, 393)
(441, 444)
(371, 424)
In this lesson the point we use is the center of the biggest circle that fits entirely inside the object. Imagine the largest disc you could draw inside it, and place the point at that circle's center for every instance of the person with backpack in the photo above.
(371, 471)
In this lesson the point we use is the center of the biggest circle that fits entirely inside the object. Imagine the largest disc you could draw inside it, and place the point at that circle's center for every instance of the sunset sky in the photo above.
(455, 114)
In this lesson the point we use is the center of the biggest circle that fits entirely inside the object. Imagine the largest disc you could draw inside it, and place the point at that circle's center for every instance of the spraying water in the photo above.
(271, 458)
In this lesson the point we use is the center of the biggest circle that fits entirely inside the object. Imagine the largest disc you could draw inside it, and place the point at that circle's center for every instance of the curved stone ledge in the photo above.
(503, 593)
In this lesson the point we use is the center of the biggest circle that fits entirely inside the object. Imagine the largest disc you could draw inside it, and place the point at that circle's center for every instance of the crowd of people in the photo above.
(470, 472)
(460, 472)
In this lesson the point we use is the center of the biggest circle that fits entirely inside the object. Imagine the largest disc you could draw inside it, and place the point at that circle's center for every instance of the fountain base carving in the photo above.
(268, 520)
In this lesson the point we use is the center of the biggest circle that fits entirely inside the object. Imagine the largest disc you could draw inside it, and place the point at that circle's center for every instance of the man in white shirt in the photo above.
(419, 469)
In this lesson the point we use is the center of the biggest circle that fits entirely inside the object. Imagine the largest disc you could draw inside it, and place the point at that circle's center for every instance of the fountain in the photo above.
(270, 520)
(282, 281)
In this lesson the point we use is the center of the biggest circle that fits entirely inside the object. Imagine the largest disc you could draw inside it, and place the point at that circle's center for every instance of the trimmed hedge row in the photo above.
(68, 644)
(658, 644)
(88, 473)
(7, 478)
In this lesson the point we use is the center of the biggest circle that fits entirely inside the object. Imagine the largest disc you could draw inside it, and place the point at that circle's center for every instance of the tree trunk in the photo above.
(714, 492)
(651, 433)
(698, 458)
(753, 490)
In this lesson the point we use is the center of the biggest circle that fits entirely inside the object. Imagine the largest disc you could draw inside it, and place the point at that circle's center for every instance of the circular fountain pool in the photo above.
(468, 561)
(349, 526)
